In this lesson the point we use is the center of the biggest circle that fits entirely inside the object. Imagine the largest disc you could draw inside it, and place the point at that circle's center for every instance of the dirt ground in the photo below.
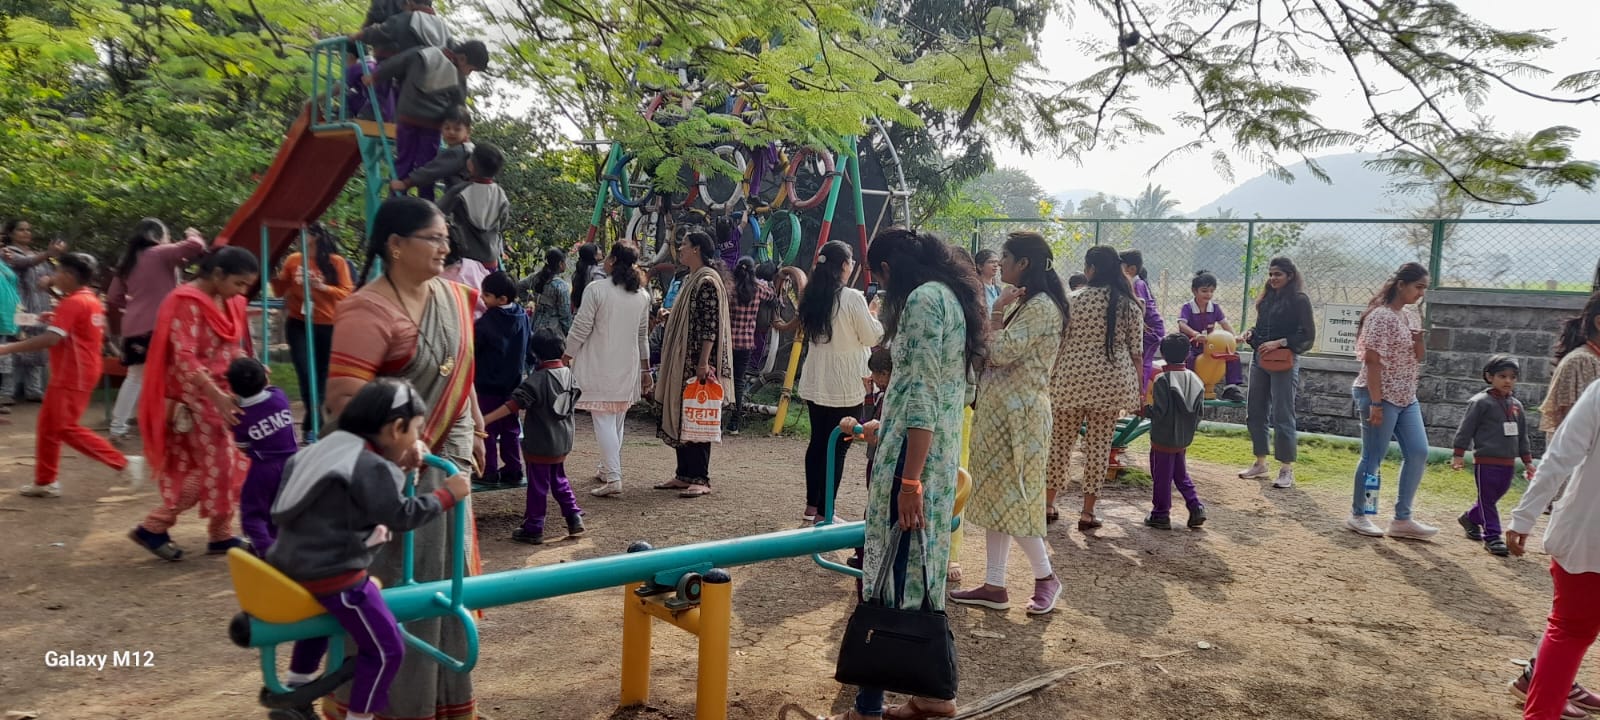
(1302, 619)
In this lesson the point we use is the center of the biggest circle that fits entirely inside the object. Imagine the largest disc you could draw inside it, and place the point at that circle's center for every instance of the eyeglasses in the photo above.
(432, 239)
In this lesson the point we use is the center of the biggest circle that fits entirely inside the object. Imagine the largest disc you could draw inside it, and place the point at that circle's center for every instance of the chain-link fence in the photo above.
(1343, 262)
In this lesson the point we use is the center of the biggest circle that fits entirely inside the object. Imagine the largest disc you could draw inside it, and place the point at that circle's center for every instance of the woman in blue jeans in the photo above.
(1283, 321)
(1389, 343)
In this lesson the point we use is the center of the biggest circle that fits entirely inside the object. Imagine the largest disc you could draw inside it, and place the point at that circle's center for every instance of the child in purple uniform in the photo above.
(266, 435)
(1495, 429)
(340, 501)
(1197, 319)
(1176, 399)
(548, 397)
(501, 357)
(1154, 327)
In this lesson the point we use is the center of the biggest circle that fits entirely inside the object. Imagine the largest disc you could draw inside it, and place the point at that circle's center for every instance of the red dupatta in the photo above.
(230, 325)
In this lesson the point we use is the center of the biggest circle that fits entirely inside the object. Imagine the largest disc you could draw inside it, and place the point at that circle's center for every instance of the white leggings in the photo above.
(127, 400)
(998, 545)
(608, 429)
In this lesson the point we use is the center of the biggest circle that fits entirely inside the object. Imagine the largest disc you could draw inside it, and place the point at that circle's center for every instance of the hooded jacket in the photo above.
(449, 167)
(501, 353)
(477, 212)
(430, 84)
(334, 496)
(548, 396)
(1176, 398)
(407, 30)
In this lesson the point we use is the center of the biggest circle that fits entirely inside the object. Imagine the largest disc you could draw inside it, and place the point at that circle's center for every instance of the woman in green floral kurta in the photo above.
(933, 324)
(1011, 426)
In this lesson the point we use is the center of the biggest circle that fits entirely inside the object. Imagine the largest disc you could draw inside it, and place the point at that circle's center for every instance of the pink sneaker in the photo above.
(1045, 592)
(983, 596)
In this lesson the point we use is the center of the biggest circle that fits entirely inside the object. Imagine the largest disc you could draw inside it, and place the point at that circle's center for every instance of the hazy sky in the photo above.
(1192, 179)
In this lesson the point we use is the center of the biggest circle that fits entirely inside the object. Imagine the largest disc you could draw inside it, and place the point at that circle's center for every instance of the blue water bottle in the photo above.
(1369, 503)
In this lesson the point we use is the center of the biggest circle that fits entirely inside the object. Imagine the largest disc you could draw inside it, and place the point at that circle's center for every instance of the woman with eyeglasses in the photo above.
(409, 323)
(1283, 322)
(697, 344)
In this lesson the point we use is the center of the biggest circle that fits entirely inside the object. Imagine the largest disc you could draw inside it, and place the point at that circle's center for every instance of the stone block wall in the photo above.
(1465, 328)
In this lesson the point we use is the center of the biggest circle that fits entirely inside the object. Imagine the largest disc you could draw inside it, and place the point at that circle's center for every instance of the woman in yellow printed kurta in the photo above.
(1011, 425)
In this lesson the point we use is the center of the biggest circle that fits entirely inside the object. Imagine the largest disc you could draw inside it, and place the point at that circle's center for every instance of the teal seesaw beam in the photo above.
(419, 601)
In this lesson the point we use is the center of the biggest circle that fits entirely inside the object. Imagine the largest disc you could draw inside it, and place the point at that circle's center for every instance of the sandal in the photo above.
(915, 710)
(673, 484)
(694, 491)
(1087, 525)
(953, 574)
(164, 549)
(1051, 515)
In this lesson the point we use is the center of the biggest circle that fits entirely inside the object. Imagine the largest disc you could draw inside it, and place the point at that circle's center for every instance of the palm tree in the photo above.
(1155, 202)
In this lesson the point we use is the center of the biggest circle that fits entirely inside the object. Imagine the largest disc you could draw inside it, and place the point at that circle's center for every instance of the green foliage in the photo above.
(111, 111)
(820, 70)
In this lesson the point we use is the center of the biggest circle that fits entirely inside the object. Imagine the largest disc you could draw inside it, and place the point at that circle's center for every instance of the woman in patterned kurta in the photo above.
(1011, 426)
(1096, 377)
(186, 409)
(696, 344)
(933, 324)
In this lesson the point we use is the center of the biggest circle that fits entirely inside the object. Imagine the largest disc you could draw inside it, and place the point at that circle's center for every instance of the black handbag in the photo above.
(905, 651)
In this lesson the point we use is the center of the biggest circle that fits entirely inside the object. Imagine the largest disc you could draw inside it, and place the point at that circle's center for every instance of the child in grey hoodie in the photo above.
(339, 502)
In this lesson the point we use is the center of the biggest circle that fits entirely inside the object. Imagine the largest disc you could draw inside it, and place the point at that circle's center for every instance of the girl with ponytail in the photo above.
(146, 275)
(1096, 377)
(840, 331)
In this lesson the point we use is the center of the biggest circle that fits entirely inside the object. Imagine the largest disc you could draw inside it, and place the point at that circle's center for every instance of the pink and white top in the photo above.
(1388, 333)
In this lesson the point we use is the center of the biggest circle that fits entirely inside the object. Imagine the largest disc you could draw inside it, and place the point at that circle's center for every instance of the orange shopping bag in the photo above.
(702, 412)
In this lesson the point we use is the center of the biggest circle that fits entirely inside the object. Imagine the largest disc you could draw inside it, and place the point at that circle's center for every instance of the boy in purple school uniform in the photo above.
(500, 353)
(1197, 318)
(266, 435)
(1177, 397)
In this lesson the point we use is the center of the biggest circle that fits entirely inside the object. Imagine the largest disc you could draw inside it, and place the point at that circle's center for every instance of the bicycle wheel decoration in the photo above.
(822, 164)
(739, 158)
(617, 178)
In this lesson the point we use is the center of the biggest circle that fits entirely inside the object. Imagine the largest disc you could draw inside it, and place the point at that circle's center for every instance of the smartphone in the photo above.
(872, 291)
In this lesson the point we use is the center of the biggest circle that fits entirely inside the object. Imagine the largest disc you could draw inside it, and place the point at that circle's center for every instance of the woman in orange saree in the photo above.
(409, 323)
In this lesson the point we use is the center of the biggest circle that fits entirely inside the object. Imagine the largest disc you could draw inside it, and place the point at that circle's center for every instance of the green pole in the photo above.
(1097, 232)
(266, 255)
(1249, 265)
(311, 343)
(600, 196)
(977, 227)
(1435, 262)
(854, 170)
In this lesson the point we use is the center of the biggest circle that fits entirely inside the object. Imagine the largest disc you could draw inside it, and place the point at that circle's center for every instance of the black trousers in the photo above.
(294, 331)
(823, 421)
(694, 463)
(741, 387)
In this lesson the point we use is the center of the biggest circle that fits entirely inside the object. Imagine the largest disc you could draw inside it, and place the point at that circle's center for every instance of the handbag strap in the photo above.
(886, 571)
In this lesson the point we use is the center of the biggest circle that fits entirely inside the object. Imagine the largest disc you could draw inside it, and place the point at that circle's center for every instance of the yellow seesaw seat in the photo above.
(267, 594)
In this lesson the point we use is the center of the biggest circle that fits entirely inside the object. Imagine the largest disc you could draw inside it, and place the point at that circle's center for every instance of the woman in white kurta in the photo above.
(1011, 425)
(609, 351)
(840, 331)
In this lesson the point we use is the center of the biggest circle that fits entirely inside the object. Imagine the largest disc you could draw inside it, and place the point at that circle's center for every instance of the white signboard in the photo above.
(1338, 333)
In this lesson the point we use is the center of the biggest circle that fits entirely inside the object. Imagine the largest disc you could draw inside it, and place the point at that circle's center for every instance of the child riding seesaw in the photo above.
(341, 499)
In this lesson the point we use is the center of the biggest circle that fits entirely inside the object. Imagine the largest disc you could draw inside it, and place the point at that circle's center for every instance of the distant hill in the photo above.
(1359, 192)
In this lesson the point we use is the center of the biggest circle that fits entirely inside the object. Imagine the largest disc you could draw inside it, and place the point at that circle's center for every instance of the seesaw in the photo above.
(687, 586)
